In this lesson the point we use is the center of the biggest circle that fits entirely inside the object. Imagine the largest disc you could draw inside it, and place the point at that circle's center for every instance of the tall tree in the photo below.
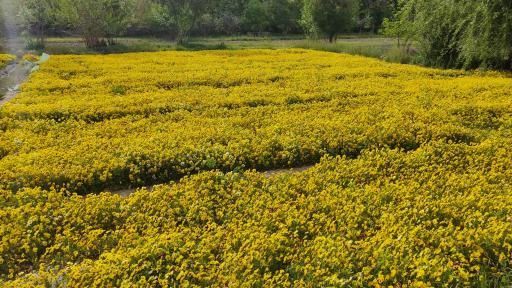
(98, 21)
(332, 17)
(307, 21)
(487, 41)
(283, 15)
(180, 16)
(117, 17)
(400, 24)
(255, 17)
(39, 15)
(458, 33)
(373, 13)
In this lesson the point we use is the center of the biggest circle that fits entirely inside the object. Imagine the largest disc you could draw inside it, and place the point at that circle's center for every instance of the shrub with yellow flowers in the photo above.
(31, 57)
(5, 59)
(88, 123)
(438, 216)
(412, 186)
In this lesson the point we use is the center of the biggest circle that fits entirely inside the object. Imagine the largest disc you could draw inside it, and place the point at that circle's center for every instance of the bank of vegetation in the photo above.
(440, 33)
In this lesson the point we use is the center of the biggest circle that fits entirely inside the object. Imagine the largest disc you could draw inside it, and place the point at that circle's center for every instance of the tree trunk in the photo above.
(111, 40)
(91, 41)
(41, 36)
(510, 59)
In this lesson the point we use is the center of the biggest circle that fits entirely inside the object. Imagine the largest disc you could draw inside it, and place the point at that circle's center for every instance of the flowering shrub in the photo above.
(5, 59)
(31, 57)
(412, 189)
(88, 123)
(437, 216)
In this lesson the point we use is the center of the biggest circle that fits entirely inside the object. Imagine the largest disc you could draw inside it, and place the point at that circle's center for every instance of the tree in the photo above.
(401, 25)
(180, 16)
(283, 15)
(487, 40)
(39, 15)
(117, 16)
(439, 26)
(457, 33)
(87, 18)
(98, 21)
(255, 18)
(307, 21)
(331, 17)
(373, 13)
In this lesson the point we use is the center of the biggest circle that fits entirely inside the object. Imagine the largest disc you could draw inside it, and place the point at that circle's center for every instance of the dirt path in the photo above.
(12, 43)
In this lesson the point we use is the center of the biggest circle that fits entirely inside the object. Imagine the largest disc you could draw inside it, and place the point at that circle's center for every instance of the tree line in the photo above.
(441, 33)
(100, 21)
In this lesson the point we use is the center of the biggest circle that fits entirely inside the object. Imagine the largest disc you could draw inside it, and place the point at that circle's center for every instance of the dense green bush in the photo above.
(457, 33)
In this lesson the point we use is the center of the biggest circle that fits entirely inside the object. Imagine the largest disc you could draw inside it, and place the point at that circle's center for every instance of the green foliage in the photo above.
(118, 90)
(330, 17)
(439, 26)
(179, 16)
(457, 33)
(255, 17)
(283, 15)
(373, 13)
(39, 15)
(487, 40)
(307, 20)
(117, 17)
(400, 26)
(98, 21)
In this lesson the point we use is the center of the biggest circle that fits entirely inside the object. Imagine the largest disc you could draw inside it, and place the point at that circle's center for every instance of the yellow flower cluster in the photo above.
(5, 59)
(412, 189)
(31, 57)
(87, 123)
(439, 216)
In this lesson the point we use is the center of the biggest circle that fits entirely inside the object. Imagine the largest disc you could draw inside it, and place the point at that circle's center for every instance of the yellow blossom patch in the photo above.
(31, 57)
(88, 123)
(434, 217)
(412, 187)
(5, 59)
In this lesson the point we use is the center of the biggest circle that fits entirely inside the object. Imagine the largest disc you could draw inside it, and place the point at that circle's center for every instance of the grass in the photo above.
(366, 45)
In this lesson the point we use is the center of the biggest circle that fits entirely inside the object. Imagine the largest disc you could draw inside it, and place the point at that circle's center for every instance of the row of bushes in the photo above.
(276, 109)
(435, 217)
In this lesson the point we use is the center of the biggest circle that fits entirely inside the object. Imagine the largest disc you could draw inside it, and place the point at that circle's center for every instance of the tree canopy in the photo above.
(457, 33)
(100, 21)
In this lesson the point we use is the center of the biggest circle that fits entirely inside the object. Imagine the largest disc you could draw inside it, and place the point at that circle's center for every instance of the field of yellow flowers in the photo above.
(437, 216)
(87, 123)
(413, 186)
(5, 59)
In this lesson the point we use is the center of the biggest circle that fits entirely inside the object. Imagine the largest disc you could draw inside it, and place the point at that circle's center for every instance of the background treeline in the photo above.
(441, 33)
(100, 21)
